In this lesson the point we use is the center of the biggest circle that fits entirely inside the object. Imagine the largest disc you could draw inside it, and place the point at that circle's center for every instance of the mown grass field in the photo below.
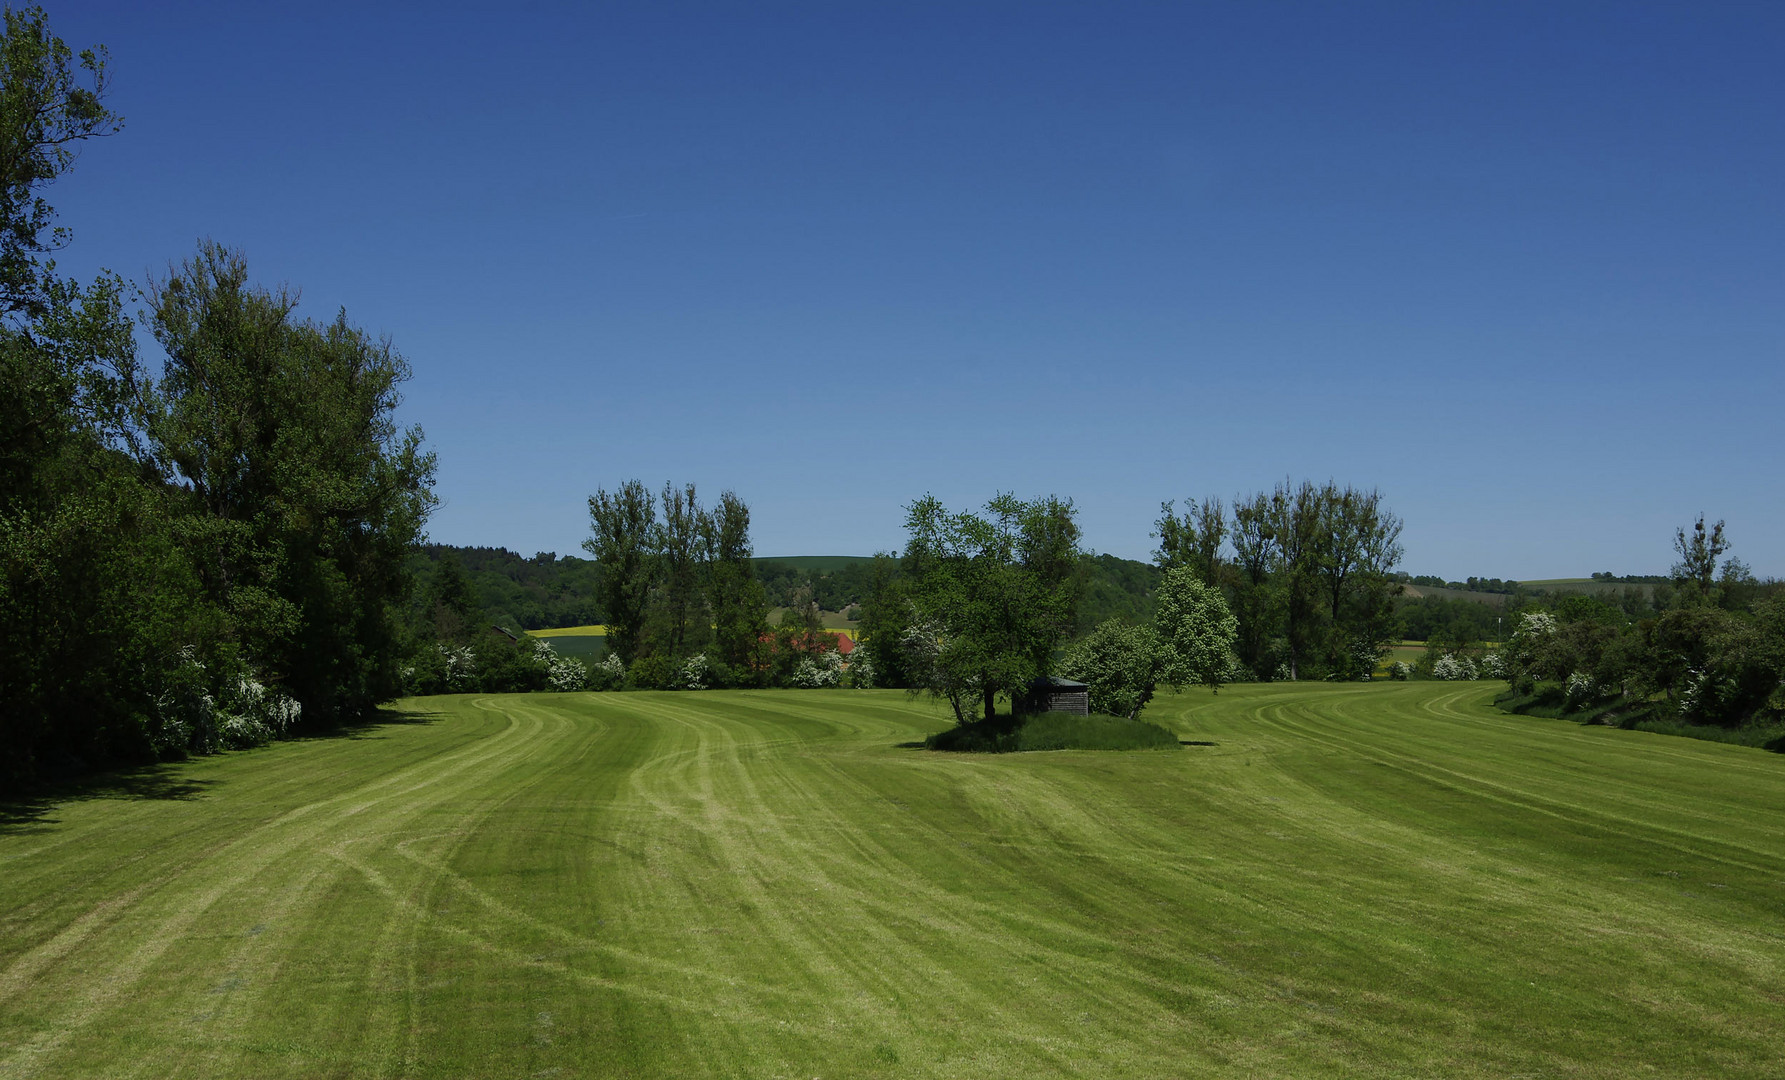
(1332, 880)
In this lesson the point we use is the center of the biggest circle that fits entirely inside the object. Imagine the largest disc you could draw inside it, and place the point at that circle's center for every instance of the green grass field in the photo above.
(1387, 879)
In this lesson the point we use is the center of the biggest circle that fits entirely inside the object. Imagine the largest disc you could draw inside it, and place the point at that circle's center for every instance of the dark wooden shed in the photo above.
(1054, 694)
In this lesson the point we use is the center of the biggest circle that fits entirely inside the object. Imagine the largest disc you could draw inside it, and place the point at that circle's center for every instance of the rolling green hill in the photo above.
(1328, 881)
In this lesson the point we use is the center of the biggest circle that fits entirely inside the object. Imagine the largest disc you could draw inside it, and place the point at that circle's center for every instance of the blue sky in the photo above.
(1518, 266)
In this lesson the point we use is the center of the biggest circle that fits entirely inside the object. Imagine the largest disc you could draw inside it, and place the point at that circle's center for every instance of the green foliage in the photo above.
(304, 496)
(673, 585)
(1429, 618)
(1698, 558)
(992, 596)
(623, 542)
(51, 100)
(1312, 582)
(1194, 540)
(1121, 666)
(179, 558)
(1196, 631)
(541, 592)
(654, 672)
(733, 593)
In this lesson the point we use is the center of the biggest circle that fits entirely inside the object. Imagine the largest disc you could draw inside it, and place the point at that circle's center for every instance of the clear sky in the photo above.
(1518, 265)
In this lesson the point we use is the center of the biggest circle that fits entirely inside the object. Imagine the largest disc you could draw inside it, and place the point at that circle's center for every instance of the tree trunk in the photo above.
(991, 704)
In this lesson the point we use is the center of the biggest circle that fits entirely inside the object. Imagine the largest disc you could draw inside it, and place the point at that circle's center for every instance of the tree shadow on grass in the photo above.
(915, 745)
(1196, 742)
(29, 812)
(369, 727)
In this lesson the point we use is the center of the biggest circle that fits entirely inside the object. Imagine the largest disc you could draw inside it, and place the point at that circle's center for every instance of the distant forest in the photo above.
(546, 590)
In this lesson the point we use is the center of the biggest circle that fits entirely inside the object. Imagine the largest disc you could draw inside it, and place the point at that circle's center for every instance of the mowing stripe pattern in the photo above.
(1373, 880)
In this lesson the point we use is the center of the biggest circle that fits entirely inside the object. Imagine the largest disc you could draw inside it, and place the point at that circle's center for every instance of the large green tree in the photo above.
(304, 495)
(97, 601)
(51, 100)
(993, 595)
(1193, 539)
(1195, 630)
(733, 593)
(623, 543)
(680, 546)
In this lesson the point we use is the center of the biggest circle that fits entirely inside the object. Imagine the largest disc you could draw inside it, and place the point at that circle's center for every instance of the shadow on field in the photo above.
(917, 745)
(1196, 742)
(370, 726)
(28, 812)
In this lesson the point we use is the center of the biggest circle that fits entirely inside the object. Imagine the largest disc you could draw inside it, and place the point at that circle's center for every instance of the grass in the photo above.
(1380, 880)
(1053, 731)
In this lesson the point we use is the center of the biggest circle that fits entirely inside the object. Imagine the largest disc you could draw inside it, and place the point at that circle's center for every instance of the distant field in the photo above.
(1385, 880)
(1417, 592)
(1404, 651)
(583, 642)
(1586, 585)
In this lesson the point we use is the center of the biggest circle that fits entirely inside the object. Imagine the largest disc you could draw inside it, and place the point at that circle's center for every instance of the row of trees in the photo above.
(677, 584)
(1308, 571)
(1711, 653)
(979, 605)
(196, 556)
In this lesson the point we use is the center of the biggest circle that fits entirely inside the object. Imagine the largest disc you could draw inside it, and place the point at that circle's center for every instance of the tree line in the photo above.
(1704, 648)
(200, 553)
(1308, 571)
(979, 605)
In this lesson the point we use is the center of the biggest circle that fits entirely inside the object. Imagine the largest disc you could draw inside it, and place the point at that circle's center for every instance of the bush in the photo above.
(562, 673)
(1579, 691)
(694, 674)
(607, 674)
(1452, 667)
(651, 673)
(818, 673)
(1400, 670)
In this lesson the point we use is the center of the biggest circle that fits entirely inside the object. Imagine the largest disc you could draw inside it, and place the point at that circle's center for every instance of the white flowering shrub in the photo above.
(1492, 666)
(1452, 667)
(607, 674)
(1579, 690)
(242, 713)
(459, 666)
(563, 674)
(694, 674)
(1535, 624)
(251, 714)
(1400, 670)
(826, 670)
(861, 670)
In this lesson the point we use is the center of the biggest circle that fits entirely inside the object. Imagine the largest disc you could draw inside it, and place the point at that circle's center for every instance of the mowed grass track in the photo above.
(1372, 880)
